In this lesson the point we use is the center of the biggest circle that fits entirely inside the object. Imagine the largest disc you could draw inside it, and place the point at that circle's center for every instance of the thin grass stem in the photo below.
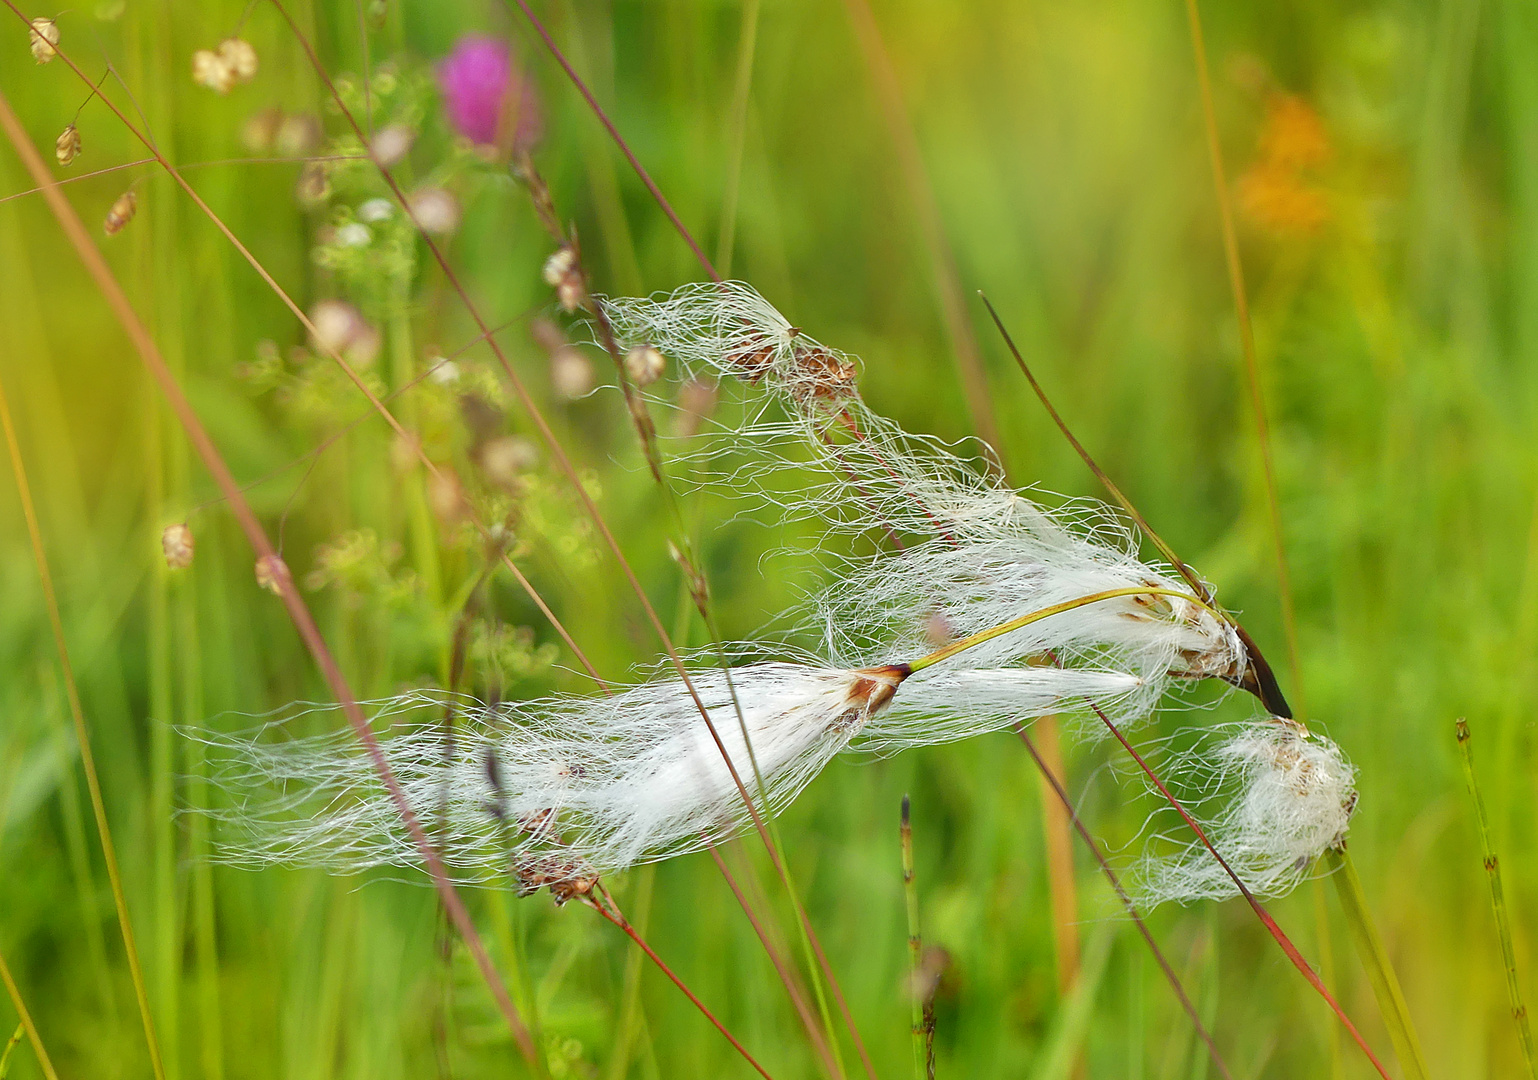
(26, 1022)
(915, 942)
(1265, 917)
(1056, 832)
(963, 644)
(10, 1047)
(304, 622)
(1497, 901)
(77, 714)
(1380, 970)
(1247, 344)
(1061, 792)
(737, 132)
(486, 332)
(942, 260)
(610, 911)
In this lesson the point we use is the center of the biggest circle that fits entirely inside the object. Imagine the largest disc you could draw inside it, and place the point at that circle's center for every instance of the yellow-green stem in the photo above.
(910, 892)
(26, 1021)
(1374, 957)
(1012, 625)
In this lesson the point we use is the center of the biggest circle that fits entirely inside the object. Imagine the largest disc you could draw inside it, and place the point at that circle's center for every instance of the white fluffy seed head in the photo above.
(563, 787)
(1284, 797)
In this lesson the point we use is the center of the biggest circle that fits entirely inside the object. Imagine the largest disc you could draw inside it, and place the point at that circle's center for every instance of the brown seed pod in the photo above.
(67, 145)
(44, 36)
(122, 212)
(177, 544)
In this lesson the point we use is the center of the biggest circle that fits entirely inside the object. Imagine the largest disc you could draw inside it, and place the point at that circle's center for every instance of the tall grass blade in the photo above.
(1498, 902)
(77, 712)
(26, 1023)
(1380, 971)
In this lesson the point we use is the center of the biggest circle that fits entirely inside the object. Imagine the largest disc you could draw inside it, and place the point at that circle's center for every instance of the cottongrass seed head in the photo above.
(1285, 796)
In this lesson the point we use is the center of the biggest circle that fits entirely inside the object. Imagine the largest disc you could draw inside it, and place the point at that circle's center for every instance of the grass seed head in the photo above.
(67, 146)
(176, 543)
(272, 573)
(645, 365)
(121, 212)
(43, 36)
(239, 57)
(209, 69)
(391, 144)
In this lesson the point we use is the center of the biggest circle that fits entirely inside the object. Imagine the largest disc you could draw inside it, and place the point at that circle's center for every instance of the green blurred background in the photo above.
(1384, 161)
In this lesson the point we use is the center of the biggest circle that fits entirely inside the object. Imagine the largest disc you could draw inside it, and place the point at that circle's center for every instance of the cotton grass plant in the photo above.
(949, 605)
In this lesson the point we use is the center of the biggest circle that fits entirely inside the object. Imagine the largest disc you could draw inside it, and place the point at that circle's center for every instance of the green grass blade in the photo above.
(1497, 901)
(1369, 947)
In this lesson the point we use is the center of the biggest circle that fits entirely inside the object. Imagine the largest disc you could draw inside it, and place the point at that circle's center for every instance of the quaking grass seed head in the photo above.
(43, 35)
(177, 545)
(239, 57)
(645, 365)
(121, 212)
(210, 70)
(67, 146)
(272, 573)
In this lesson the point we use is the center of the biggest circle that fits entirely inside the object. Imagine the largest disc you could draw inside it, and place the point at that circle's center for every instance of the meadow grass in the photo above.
(1395, 341)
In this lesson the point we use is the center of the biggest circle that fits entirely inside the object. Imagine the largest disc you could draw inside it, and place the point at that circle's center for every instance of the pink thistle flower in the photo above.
(487, 100)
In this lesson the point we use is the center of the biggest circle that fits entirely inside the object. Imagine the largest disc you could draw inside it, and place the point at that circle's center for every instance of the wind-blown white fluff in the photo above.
(562, 788)
(984, 554)
(1284, 795)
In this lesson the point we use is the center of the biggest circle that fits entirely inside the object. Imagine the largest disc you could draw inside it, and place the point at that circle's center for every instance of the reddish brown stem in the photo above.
(149, 353)
(618, 919)
(787, 975)
(1131, 908)
(1265, 916)
(619, 141)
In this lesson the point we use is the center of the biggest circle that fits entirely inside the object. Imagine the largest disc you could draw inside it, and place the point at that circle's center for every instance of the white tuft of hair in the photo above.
(1285, 796)
(554, 791)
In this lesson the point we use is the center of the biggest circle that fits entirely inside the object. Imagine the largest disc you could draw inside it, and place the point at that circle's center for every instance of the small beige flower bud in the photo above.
(435, 210)
(561, 262)
(571, 374)
(210, 71)
(44, 36)
(121, 213)
(391, 144)
(67, 145)
(298, 135)
(239, 57)
(272, 573)
(507, 457)
(645, 365)
(261, 128)
(177, 544)
(446, 496)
